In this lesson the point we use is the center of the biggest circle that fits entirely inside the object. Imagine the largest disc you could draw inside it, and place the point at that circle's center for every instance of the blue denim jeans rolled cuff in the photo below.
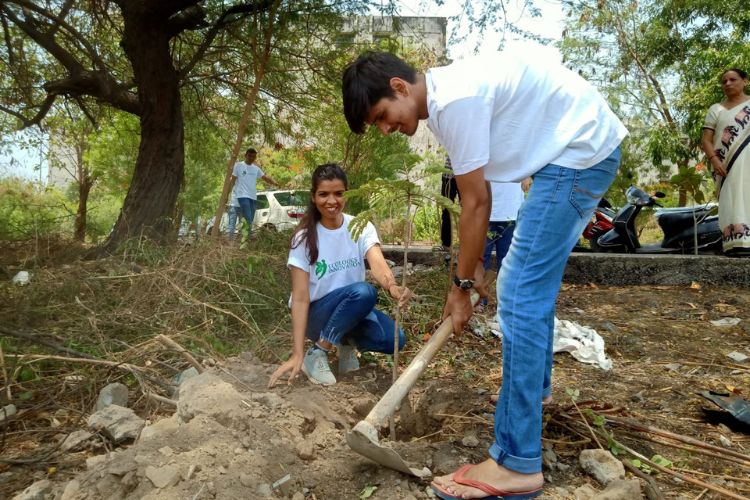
(518, 464)
(348, 314)
(549, 223)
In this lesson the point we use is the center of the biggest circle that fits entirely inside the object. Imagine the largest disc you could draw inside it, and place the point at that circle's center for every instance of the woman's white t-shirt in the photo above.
(516, 113)
(341, 260)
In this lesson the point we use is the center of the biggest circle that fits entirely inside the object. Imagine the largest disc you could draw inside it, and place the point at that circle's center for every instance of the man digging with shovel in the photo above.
(504, 118)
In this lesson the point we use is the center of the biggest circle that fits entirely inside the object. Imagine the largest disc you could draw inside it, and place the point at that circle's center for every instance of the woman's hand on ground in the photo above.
(458, 307)
(293, 365)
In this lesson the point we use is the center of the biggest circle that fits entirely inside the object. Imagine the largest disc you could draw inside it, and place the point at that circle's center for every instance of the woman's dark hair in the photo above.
(367, 80)
(742, 73)
(307, 226)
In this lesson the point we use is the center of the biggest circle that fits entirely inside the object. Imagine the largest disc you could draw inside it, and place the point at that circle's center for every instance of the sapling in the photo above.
(405, 190)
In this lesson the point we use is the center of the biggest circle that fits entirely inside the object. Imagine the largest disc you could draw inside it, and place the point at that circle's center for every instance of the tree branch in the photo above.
(220, 23)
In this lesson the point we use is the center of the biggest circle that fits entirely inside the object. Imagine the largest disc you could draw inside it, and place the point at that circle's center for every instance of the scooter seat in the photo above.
(682, 219)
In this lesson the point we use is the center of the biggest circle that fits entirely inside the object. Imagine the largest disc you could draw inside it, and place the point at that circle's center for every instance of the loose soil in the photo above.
(290, 442)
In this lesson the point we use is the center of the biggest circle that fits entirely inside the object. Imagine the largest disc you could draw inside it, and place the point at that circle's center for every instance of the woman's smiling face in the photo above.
(330, 202)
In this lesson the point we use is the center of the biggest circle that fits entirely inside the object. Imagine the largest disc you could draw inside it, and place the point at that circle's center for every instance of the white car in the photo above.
(277, 210)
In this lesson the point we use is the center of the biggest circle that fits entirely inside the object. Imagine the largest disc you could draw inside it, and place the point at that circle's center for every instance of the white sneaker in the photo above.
(315, 366)
(348, 361)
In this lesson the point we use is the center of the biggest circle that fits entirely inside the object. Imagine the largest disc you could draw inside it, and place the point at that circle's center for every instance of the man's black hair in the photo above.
(367, 80)
(251, 150)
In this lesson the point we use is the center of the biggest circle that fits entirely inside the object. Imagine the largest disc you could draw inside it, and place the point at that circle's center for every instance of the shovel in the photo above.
(363, 438)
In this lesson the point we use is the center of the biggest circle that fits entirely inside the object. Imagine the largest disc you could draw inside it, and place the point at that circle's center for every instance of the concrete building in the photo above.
(424, 34)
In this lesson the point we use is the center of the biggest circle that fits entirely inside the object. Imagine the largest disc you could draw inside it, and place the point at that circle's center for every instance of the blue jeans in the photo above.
(560, 203)
(348, 314)
(499, 236)
(232, 214)
(247, 209)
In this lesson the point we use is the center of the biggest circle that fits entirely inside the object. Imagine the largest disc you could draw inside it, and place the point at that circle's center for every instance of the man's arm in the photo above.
(475, 216)
(270, 181)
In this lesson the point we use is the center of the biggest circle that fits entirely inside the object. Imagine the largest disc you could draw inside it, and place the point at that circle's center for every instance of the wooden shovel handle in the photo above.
(401, 387)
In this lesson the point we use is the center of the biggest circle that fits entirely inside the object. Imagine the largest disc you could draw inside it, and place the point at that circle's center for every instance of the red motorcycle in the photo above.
(601, 222)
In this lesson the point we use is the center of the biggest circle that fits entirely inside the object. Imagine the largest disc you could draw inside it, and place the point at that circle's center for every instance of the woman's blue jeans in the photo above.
(348, 315)
(560, 203)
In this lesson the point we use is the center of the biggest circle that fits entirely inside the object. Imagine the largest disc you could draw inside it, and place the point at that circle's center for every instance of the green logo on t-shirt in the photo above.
(320, 268)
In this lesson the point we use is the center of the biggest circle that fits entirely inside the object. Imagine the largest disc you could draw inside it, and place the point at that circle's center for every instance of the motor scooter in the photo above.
(679, 226)
(600, 223)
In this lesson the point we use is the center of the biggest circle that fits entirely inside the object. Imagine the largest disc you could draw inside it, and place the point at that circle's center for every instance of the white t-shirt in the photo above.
(247, 178)
(341, 260)
(516, 114)
(507, 198)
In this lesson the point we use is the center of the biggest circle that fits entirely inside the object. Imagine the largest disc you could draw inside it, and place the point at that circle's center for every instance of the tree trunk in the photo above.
(148, 210)
(85, 183)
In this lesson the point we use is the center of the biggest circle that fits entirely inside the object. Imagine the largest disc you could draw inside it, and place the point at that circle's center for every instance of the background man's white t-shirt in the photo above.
(341, 260)
(516, 114)
(507, 198)
(247, 178)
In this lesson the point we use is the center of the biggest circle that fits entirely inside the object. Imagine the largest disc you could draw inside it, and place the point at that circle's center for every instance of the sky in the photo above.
(30, 165)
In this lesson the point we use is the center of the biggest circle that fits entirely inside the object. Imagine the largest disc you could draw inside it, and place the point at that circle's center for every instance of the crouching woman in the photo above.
(331, 303)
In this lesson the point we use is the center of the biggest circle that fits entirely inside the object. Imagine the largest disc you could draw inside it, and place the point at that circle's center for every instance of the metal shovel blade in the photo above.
(360, 441)
(363, 438)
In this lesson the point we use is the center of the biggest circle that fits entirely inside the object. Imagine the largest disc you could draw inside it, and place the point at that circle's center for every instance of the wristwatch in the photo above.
(464, 285)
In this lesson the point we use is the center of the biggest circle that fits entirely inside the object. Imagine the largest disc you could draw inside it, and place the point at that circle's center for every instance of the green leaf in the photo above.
(599, 420)
(25, 396)
(367, 492)
(660, 460)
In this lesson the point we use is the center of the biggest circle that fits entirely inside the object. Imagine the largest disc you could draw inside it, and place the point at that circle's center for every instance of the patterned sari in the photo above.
(732, 145)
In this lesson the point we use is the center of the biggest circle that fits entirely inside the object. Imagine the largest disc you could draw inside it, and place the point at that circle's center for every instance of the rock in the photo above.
(117, 423)
(470, 441)
(738, 357)
(621, 489)
(298, 496)
(305, 450)
(37, 491)
(21, 278)
(585, 492)
(602, 465)
(181, 377)
(74, 440)
(162, 427)
(112, 394)
(161, 477)
(725, 441)
(71, 490)
(208, 395)
(7, 411)
(92, 462)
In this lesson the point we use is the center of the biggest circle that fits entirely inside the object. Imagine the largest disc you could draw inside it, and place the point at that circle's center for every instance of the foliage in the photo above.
(658, 63)
(28, 212)
(406, 192)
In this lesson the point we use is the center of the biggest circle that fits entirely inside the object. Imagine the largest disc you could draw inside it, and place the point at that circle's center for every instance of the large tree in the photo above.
(65, 49)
